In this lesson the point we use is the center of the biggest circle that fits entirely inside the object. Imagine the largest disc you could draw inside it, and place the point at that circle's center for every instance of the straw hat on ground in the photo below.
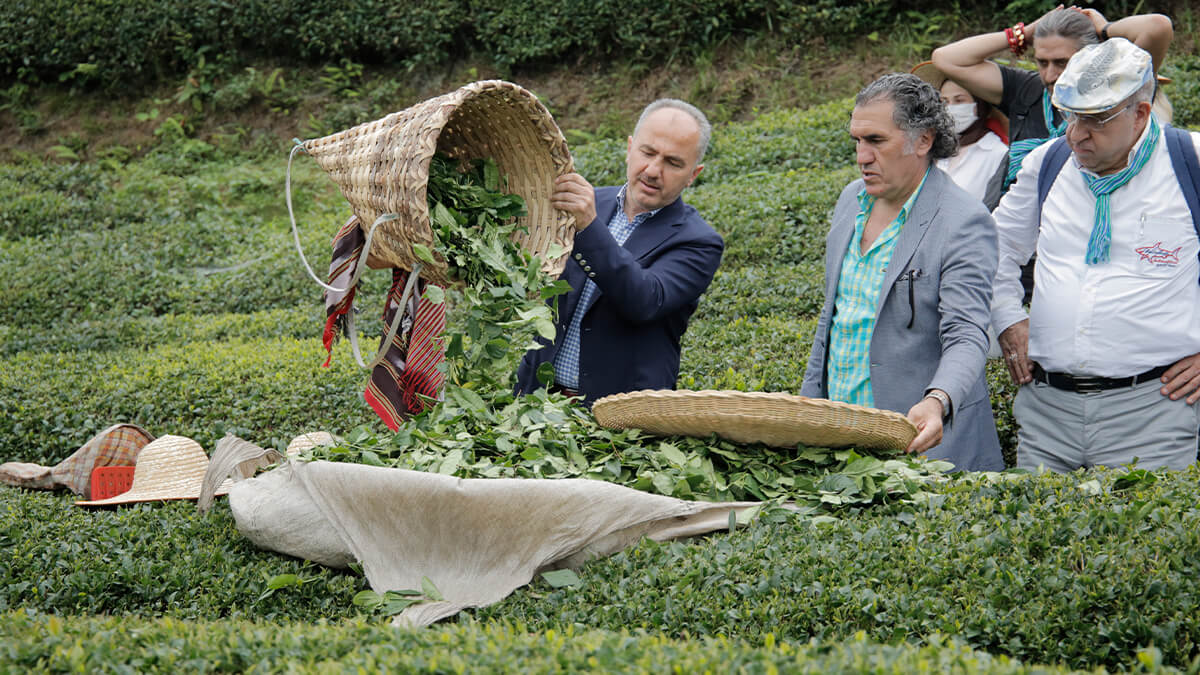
(171, 467)
(310, 440)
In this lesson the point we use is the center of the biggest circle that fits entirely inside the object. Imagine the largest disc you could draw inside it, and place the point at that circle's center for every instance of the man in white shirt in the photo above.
(1109, 355)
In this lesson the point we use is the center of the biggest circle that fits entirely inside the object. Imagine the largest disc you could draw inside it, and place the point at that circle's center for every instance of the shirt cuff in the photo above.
(1006, 315)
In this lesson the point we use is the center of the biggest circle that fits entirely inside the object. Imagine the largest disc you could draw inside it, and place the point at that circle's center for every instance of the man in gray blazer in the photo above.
(909, 262)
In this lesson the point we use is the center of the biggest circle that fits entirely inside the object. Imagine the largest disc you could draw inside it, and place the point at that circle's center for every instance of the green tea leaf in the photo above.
(430, 590)
(282, 581)
(563, 578)
(672, 454)
(367, 599)
(435, 294)
(423, 253)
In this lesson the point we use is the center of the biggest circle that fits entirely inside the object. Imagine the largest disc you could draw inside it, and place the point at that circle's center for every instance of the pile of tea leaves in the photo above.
(482, 430)
(540, 435)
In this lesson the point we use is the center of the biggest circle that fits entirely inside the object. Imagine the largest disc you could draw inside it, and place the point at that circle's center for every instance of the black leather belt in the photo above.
(1084, 385)
(556, 388)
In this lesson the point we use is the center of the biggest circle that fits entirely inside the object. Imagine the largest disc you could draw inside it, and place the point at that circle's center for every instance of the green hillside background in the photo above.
(149, 277)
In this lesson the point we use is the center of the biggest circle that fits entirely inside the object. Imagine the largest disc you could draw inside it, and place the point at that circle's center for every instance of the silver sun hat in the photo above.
(1101, 76)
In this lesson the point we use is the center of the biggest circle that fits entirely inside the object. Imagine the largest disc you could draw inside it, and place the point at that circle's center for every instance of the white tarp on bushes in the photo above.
(477, 540)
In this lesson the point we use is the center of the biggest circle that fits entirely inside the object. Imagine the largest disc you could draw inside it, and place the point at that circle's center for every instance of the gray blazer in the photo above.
(945, 260)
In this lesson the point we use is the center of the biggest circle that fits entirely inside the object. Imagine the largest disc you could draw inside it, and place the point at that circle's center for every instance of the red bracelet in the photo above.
(1016, 38)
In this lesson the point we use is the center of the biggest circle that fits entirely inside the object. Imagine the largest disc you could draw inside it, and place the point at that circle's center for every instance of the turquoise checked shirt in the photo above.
(849, 367)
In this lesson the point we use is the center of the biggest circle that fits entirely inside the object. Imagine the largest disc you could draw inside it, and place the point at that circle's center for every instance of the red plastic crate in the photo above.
(110, 481)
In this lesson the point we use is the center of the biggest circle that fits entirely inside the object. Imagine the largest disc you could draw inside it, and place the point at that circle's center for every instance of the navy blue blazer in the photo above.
(648, 289)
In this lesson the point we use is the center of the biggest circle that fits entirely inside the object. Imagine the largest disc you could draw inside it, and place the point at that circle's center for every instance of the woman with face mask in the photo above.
(982, 144)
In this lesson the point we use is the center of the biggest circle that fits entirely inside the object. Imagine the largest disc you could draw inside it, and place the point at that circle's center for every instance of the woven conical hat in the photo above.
(309, 440)
(382, 167)
(170, 467)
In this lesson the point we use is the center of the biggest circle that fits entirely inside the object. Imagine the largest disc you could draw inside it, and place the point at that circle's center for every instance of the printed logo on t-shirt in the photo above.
(1159, 256)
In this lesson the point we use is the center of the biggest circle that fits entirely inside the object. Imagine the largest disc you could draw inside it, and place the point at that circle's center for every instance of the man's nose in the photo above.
(863, 154)
(1077, 132)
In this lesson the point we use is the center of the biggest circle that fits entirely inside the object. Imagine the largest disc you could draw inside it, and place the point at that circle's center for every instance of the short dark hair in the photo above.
(918, 108)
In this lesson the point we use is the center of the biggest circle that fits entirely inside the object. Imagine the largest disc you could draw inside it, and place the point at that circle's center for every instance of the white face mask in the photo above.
(963, 115)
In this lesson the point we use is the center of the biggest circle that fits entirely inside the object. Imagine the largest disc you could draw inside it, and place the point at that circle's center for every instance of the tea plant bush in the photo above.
(1080, 569)
(107, 644)
(1085, 570)
(1184, 90)
(161, 559)
(264, 389)
(114, 44)
(117, 333)
(210, 241)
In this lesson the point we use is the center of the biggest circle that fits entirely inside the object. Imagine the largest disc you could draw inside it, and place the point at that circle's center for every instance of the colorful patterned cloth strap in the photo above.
(408, 377)
(117, 445)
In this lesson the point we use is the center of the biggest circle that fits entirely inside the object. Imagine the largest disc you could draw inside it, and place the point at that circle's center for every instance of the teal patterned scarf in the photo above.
(1018, 149)
(1103, 186)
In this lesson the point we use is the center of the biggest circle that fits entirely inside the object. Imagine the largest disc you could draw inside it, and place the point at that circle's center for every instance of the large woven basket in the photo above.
(773, 418)
(383, 167)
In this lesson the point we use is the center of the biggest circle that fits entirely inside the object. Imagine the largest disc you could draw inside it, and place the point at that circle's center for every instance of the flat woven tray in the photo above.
(383, 167)
(773, 418)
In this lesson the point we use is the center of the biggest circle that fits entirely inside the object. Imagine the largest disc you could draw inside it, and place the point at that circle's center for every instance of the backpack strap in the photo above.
(1183, 160)
(1052, 164)
(1187, 169)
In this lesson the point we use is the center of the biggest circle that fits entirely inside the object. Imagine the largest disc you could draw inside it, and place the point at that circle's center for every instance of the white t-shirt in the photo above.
(975, 164)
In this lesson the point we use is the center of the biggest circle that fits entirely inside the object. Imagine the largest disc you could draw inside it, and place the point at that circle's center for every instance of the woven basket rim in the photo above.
(382, 166)
(754, 416)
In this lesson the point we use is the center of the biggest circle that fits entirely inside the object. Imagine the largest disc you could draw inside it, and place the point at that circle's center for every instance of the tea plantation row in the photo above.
(115, 645)
(1079, 570)
(165, 292)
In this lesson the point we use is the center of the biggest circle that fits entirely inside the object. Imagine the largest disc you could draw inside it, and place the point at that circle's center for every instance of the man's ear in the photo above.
(1142, 111)
(924, 143)
(696, 172)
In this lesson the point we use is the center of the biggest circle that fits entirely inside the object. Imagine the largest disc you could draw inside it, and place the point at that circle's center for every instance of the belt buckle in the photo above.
(1088, 385)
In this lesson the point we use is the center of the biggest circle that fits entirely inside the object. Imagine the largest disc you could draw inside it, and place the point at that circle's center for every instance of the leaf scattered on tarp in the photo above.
(562, 578)
(430, 590)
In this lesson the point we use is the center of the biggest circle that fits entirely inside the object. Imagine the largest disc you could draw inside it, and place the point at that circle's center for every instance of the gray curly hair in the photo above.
(918, 108)
(1066, 23)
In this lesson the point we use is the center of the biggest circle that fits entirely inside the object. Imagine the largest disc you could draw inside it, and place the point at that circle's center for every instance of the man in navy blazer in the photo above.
(641, 260)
